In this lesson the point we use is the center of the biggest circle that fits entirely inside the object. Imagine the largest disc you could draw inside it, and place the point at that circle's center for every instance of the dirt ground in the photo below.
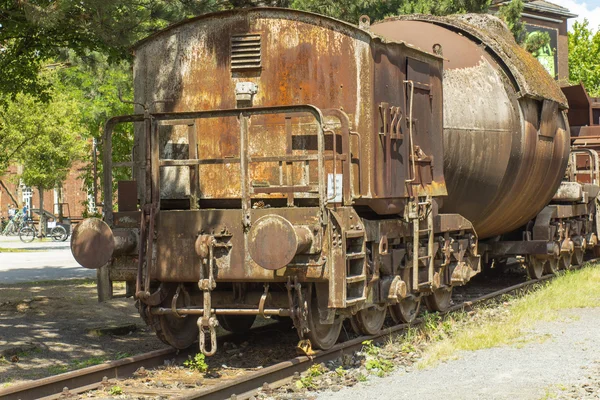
(47, 328)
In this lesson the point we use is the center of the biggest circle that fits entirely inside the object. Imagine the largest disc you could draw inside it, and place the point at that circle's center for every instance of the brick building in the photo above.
(73, 192)
(544, 16)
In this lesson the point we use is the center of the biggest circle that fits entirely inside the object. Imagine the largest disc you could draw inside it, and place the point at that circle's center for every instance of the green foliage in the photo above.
(511, 14)
(351, 10)
(375, 363)
(115, 391)
(95, 85)
(584, 57)
(444, 7)
(307, 381)
(34, 31)
(198, 363)
(43, 137)
(536, 41)
(379, 366)
(369, 348)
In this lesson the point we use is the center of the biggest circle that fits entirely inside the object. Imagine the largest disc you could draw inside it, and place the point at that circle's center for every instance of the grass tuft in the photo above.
(574, 289)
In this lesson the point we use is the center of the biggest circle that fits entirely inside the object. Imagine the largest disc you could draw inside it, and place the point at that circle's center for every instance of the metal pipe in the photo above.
(282, 312)
(410, 133)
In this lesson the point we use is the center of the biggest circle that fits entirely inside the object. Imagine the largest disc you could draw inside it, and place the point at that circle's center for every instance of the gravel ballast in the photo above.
(561, 359)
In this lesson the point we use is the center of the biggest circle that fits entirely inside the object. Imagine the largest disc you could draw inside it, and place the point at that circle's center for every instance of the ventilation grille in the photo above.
(245, 52)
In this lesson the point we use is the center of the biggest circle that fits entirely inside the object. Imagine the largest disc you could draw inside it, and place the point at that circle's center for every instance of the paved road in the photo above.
(47, 261)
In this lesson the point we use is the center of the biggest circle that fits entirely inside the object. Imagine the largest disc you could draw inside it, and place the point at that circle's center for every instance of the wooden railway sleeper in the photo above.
(207, 323)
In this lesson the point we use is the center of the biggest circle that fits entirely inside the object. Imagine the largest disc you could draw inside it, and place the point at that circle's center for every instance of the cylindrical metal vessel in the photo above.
(506, 137)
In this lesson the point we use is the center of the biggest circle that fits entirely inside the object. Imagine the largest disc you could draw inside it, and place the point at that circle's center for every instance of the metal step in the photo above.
(355, 256)
(356, 278)
(355, 300)
(351, 234)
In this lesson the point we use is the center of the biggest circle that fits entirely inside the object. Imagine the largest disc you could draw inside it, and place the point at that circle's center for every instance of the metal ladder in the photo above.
(356, 274)
(419, 210)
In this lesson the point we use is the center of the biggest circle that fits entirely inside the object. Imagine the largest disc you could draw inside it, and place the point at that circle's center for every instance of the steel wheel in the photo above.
(27, 234)
(321, 336)
(406, 311)
(551, 267)
(577, 257)
(179, 332)
(58, 234)
(236, 323)
(564, 261)
(369, 321)
(536, 267)
(440, 299)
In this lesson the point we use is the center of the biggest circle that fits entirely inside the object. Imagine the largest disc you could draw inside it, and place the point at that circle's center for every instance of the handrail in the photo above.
(152, 120)
(594, 171)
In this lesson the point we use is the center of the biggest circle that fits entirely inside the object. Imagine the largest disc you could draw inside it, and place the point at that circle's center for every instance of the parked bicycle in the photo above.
(29, 232)
(12, 227)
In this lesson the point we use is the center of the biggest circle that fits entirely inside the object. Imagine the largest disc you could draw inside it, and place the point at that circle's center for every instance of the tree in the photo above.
(351, 10)
(34, 31)
(511, 14)
(51, 131)
(584, 57)
(95, 85)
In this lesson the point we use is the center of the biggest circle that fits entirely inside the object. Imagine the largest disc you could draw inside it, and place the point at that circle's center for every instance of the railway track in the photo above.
(271, 377)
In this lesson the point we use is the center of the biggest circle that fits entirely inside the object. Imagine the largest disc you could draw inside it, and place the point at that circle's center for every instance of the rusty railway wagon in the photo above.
(288, 164)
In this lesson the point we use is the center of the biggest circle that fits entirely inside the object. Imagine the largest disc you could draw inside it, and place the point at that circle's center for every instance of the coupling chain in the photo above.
(207, 323)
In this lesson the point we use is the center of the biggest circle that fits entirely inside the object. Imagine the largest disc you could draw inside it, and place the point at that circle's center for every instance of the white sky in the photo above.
(589, 9)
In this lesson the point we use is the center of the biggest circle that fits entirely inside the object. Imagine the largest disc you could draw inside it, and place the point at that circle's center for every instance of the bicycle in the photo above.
(29, 232)
(12, 227)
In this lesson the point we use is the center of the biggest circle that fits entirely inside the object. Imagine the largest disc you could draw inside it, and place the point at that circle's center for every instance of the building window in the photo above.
(27, 196)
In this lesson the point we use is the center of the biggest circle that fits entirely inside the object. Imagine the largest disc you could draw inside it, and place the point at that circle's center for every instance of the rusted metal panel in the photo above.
(176, 258)
(130, 219)
(127, 195)
(503, 163)
(304, 58)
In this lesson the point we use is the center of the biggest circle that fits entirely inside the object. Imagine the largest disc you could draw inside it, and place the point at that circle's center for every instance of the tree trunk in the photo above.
(60, 201)
(42, 216)
(9, 193)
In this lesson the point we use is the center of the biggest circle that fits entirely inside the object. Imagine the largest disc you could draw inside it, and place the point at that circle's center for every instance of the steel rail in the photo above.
(91, 378)
(244, 387)
(282, 373)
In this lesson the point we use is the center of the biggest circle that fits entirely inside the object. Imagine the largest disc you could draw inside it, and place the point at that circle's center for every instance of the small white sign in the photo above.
(334, 197)
(52, 224)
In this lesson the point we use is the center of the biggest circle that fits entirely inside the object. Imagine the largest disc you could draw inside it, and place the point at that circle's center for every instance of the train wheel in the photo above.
(551, 267)
(321, 336)
(577, 258)
(564, 261)
(440, 299)
(536, 267)
(596, 251)
(179, 332)
(406, 311)
(369, 321)
(236, 323)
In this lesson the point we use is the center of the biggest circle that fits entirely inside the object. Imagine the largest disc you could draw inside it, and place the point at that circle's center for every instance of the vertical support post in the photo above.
(107, 203)
(288, 151)
(321, 172)
(194, 170)
(430, 242)
(415, 260)
(104, 284)
(246, 201)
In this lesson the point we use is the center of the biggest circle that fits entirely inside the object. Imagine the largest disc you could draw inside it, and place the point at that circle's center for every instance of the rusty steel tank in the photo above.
(506, 136)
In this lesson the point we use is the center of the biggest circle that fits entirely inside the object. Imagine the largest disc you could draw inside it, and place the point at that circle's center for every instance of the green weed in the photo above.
(115, 391)
(198, 363)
